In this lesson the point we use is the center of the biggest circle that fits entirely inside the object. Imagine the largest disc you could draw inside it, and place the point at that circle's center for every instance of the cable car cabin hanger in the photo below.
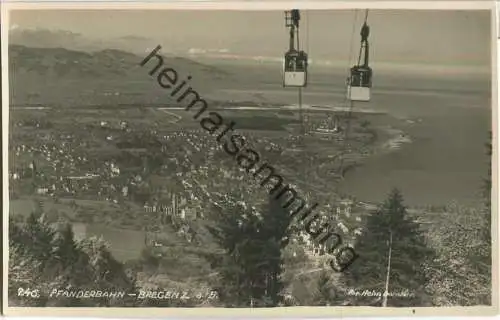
(360, 80)
(295, 62)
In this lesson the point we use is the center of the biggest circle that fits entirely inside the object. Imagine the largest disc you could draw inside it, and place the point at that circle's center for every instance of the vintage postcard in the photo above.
(250, 159)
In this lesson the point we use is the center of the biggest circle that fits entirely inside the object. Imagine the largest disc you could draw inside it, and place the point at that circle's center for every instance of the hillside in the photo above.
(60, 76)
(45, 38)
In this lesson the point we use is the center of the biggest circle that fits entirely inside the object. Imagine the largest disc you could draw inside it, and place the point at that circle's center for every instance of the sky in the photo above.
(402, 36)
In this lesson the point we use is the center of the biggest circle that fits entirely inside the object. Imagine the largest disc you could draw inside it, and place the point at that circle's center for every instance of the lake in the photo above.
(445, 162)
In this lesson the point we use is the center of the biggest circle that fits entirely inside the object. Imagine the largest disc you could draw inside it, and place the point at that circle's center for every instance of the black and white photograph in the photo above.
(222, 158)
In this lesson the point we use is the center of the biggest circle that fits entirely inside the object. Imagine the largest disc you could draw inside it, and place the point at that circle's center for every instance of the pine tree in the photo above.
(462, 272)
(108, 273)
(70, 266)
(486, 235)
(242, 274)
(65, 250)
(33, 241)
(393, 258)
(38, 239)
(274, 237)
(16, 233)
(480, 257)
(23, 273)
(42, 257)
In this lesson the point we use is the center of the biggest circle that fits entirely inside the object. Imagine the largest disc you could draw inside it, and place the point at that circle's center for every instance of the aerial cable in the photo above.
(307, 164)
(295, 68)
(349, 104)
(351, 49)
(302, 124)
(307, 31)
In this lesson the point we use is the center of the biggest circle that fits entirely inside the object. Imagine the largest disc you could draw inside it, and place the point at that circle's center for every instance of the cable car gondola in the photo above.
(295, 62)
(295, 69)
(360, 83)
(360, 80)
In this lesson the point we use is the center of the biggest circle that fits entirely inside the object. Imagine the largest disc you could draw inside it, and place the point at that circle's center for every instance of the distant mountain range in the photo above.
(61, 62)
(68, 77)
(139, 45)
(44, 38)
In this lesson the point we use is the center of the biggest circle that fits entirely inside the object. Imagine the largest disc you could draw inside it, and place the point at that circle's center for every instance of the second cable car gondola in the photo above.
(360, 79)
(295, 69)
(295, 62)
(360, 83)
